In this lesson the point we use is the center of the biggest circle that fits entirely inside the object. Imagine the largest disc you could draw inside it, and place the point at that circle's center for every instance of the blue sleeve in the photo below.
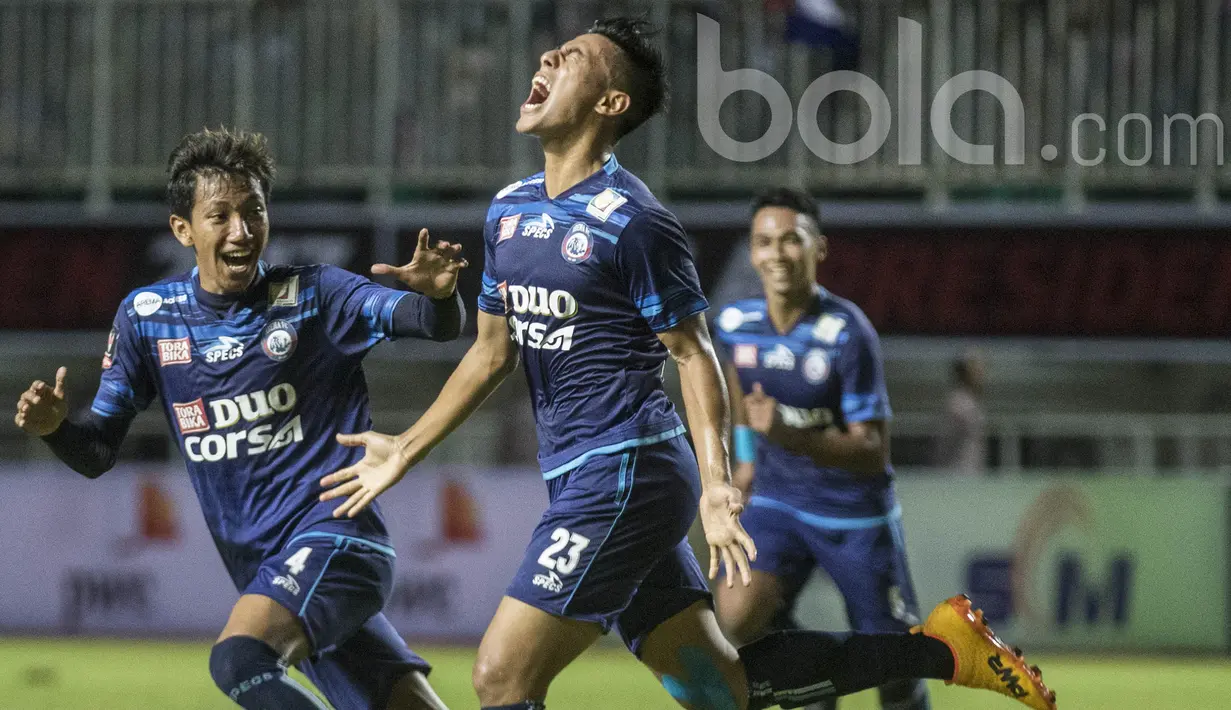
(490, 299)
(127, 386)
(864, 397)
(357, 313)
(652, 257)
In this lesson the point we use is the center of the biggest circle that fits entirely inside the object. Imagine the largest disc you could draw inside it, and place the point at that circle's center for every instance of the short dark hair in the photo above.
(789, 198)
(642, 73)
(211, 153)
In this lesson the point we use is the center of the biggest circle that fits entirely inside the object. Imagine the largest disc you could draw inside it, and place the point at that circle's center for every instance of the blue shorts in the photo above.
(612, 547)
(337, 586)
(865, 557)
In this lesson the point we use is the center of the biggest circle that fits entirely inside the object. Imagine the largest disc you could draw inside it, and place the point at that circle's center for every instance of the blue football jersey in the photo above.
(255, 398)
(826, 372)
(586, 281)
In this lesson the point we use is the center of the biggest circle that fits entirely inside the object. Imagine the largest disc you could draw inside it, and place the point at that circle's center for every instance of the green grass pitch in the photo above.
(38, 674)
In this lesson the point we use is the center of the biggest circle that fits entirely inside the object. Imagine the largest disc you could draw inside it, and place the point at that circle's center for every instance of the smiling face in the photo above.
(572, 86)
(786, 247)
(228, 230)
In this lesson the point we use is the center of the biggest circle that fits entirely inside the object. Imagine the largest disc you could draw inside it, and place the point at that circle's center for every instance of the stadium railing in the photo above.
(384, 99)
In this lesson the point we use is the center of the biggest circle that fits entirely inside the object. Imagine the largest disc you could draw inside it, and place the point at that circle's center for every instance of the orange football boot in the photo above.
(981, 659)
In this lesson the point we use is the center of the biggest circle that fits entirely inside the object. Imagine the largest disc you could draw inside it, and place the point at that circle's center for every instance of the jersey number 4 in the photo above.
(296, 562)
(562, 538)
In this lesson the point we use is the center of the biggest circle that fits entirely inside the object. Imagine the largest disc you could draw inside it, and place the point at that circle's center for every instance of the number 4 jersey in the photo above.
(254, 396)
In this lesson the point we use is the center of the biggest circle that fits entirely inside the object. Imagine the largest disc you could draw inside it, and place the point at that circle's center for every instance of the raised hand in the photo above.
(432, 270)
(42, 408)
(761, 410)
(721, 505)
(381, 467)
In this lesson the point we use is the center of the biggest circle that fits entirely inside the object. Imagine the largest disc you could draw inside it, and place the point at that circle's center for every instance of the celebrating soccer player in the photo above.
(589, 280)
(810, 409)
(255, 367)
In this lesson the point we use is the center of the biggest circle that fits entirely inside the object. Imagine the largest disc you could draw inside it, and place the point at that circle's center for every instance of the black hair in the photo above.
(214, 153)
(641, 74)
(790, 198)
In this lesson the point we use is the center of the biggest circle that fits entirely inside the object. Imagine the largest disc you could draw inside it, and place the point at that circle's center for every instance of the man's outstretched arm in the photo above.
(387, 459)
(87, 443)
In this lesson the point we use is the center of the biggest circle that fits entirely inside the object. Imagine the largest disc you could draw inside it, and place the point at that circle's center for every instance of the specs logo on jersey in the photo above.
(147, 303)
(227, 348)
(278, 340)
(540, 227)
(780, 358)
(174, 352)
(816, 366)
(605, 203)
(577, 245)
(798, 418)
(508, 227)
(828, 328)
(195, 417)
(284, 293)
(745, 355)
(110, 352)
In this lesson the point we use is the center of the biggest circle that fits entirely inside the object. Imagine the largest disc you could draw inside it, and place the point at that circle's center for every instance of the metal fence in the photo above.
(389, 98)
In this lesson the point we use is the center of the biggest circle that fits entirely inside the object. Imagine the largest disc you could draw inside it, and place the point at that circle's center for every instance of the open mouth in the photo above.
(540, 89)
(239, 259)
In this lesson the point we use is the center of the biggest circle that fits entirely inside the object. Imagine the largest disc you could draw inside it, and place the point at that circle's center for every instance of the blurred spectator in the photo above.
(963, 442)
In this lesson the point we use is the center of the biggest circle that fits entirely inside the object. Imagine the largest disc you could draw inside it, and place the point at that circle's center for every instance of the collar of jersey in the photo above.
(195, 279)
(609, 168)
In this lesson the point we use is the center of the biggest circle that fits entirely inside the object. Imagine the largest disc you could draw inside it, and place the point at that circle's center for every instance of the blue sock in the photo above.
(524, 705)
(794, 668)
(253, 676)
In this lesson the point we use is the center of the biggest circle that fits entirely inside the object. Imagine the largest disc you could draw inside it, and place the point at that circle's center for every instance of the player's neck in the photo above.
(568, 162)
(785, 309)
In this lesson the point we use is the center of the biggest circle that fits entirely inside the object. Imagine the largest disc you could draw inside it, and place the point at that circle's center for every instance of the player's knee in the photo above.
(738, 624)
(739, 621)
(492, 677)
(239, 663)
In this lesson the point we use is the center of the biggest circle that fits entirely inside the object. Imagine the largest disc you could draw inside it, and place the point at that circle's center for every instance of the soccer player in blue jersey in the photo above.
(811, 417)
(589, 281)
(256, 366)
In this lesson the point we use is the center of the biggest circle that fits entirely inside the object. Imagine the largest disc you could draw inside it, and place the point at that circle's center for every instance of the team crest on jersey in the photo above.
(780, 358)
(540, 227)
(174, 352)
(745, 355)
(816, 367)
(577, 245)
(278, 340)
(508, 227)
(109, 355)
(284, 293)
(605, 203)
(191, 417)
(147, 303)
